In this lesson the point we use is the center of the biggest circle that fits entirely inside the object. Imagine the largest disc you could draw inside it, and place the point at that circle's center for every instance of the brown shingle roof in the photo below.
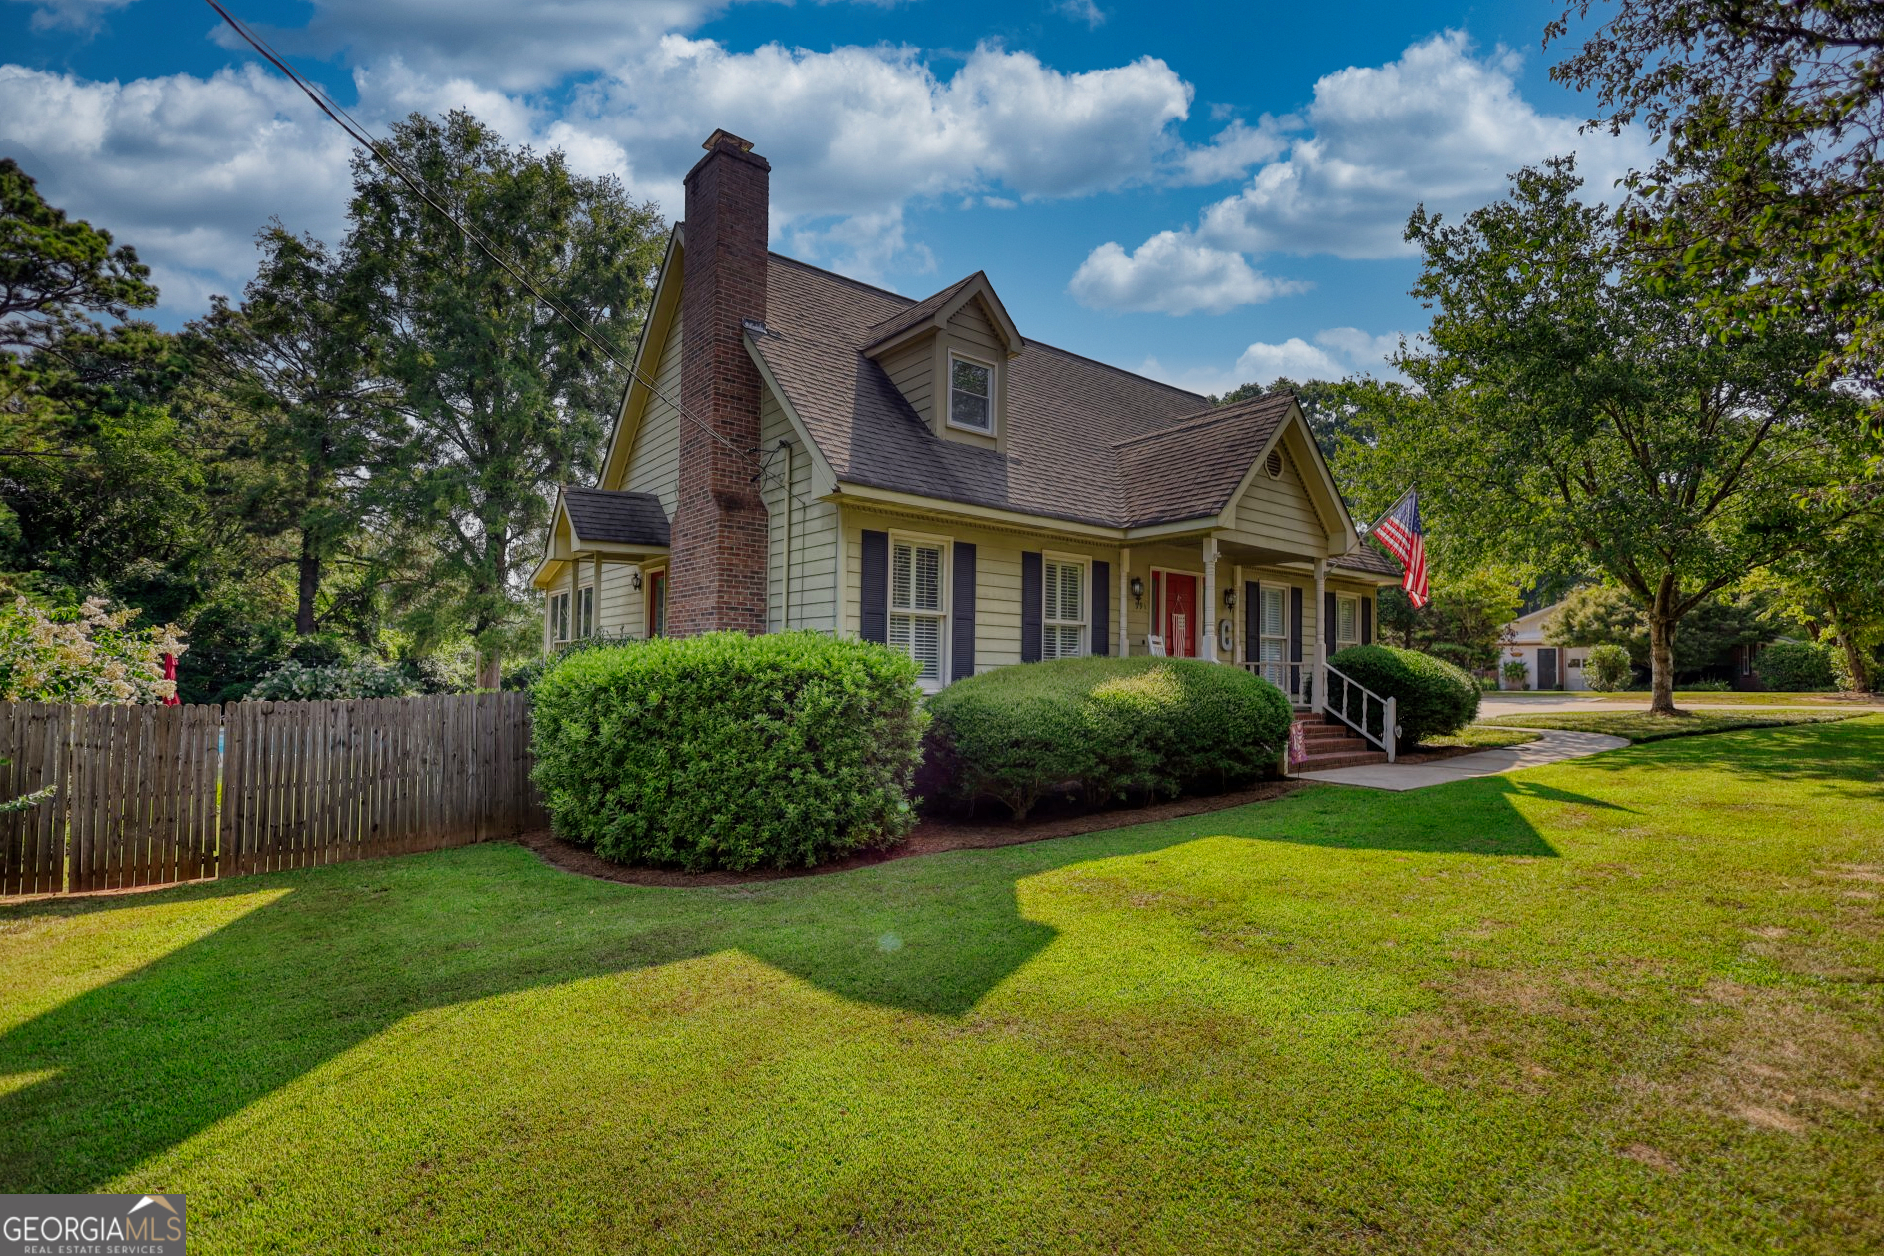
(898, 323)
(1369, 558)
(1072, 441)
(619, 517)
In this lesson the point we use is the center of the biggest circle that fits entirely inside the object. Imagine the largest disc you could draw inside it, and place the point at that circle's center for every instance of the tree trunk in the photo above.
(1662, 649)
(309, 583)
(1857, 663)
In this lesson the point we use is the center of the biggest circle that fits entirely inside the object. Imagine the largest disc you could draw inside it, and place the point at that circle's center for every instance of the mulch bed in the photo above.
(932, 836)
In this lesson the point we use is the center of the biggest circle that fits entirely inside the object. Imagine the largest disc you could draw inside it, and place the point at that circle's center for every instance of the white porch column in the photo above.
(1321, 633)
(1207, 618)
(574, 566)
(1125, 592)
(595, 620)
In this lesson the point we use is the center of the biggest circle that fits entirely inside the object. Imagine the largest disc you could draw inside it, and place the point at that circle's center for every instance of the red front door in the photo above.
(1180, 616)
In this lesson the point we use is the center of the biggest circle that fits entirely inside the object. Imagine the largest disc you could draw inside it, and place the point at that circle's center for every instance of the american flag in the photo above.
(1400, 531)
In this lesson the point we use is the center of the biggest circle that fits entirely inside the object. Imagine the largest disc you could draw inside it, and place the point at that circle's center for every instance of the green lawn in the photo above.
(1640, 726)
(1631, 1003)
(1481, 737)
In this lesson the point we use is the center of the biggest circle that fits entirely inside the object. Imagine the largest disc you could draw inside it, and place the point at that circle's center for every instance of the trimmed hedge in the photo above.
(1106, 727)
(729, 751)
(1795, 667)
(1433, 697)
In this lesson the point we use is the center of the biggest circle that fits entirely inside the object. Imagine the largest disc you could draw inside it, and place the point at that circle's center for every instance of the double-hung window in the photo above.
(559, 617)
(1274, 642)
(1063, 618)
(971, 394)
(917, 606)
(585, 612)
(1347, 621)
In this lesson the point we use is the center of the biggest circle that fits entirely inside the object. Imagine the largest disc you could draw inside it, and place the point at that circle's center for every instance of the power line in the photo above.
(360, 135)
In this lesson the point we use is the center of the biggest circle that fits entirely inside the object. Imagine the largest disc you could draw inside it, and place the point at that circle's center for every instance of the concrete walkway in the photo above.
(1552, 746)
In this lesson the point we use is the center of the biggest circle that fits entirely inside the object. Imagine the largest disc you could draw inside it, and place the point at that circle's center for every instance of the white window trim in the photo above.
(994, 385)
(648, 572)
(1275, 670)
(1157, 608)
(1342, 642)
(562, 621)
(1084, 621)
(945, 599)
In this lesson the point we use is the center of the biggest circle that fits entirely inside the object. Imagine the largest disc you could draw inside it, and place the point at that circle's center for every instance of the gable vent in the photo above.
(1274, 464)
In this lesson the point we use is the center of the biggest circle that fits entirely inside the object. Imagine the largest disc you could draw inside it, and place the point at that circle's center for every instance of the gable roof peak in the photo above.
(934, 310)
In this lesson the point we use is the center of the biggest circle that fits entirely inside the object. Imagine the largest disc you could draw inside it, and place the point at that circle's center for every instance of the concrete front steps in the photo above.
(1332, 744)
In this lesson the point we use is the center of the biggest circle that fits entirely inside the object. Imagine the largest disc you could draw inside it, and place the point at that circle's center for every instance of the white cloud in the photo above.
(187, 168)
(1335, 353)
(183, 168)
(1440, 126)
(1083, 11)
(1172, 273)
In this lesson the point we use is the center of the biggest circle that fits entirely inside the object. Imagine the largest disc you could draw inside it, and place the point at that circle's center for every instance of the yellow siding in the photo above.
(975, 334)
(653, 467)
(912, 369)
(811, 558)
(1280, 509)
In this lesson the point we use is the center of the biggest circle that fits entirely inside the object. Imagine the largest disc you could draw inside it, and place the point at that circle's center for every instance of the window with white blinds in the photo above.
(1347, 621)
(1063, 618)
(918, 610)
(1274, 642)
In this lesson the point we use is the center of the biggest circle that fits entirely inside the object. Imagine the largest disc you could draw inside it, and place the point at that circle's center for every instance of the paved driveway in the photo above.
(1496, 704)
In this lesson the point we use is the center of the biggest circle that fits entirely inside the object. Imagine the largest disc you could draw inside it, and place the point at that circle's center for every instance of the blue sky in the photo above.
(1209, 194)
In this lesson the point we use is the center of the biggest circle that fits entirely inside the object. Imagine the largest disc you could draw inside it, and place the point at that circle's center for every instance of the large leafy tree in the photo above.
(1331, 409)
(304, 411)
(1463, 622)
(1607, 614)
(1567, 412)
(1768, 187)
(1837, 589)
(501, 397)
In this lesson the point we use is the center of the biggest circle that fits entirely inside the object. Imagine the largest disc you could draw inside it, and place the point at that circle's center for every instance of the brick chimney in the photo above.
(718, 571)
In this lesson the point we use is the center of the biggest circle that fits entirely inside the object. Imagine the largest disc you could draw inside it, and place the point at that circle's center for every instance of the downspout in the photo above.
(785, 610)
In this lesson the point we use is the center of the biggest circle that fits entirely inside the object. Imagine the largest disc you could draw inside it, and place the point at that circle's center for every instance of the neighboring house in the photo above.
(1545, 666)
(919, 473)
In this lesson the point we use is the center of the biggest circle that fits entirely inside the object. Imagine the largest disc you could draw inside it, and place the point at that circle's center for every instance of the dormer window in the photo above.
(971, 395)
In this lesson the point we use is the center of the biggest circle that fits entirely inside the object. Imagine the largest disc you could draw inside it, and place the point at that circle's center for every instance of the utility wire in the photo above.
(360, 135)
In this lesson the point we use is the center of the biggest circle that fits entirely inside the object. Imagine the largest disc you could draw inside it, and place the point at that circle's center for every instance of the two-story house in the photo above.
(800, 450)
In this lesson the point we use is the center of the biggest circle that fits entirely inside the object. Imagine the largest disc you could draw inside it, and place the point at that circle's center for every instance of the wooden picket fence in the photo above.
(150, 795)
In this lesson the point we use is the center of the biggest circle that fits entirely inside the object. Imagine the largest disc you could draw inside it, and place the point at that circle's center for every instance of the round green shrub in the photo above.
(1105, 727)
(1433, 697)
(295, 682)
(1606, 668)
(1794, 667)
(729, 751)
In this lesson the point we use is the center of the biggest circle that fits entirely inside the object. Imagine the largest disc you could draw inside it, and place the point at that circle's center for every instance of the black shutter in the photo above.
(1367, 620)
(873, 591)
(1252, 620)
(1328, 619)
(1295, 637)
(962, 614)
(1101, 607)
(1033, 593)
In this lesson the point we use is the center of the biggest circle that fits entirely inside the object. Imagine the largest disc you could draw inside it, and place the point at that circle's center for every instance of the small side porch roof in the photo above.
(610, 524)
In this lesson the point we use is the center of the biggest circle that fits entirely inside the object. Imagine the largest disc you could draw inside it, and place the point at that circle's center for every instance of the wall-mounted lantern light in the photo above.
(634, 582)
(1229, 598)
(1138, 591)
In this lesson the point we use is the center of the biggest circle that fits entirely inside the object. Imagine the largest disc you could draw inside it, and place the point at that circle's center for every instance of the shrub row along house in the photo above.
(798, 450)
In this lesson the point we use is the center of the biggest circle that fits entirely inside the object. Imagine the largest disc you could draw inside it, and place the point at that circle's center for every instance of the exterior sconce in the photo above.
(1229, 598)
(1138, 591)
(634, 582)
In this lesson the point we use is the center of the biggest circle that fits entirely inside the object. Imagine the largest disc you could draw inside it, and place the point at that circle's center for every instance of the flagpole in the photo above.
(1389, 510)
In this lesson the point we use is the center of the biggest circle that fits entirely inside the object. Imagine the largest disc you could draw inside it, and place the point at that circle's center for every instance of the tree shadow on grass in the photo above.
(328, 958)
(93, 1087)
(1849, 752)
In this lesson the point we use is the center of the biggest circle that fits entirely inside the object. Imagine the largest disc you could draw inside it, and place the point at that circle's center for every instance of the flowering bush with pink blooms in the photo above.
(87, 655)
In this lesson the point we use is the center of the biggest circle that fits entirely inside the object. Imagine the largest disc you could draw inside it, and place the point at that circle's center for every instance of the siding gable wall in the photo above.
(653, 466)
(801, 531)
(1281, 508)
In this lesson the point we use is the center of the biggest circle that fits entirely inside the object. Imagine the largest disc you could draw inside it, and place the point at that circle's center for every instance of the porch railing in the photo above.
(1375, 718)
(1296, 680)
